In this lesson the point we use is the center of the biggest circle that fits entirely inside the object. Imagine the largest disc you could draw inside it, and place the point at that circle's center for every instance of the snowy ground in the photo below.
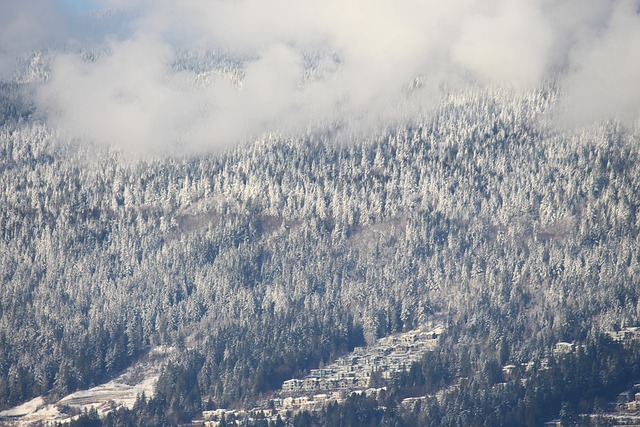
(121, 391)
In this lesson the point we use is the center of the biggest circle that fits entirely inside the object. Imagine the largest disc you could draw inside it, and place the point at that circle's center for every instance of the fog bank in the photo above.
(208, 74)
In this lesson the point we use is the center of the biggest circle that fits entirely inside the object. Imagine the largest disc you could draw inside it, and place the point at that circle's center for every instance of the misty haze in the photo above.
(305, 213)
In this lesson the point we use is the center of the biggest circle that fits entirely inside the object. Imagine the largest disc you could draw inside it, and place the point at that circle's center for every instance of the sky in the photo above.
(83, 5)
(208, 74)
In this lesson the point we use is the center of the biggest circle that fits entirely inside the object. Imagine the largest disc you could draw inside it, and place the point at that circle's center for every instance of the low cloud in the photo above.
(509, 42)
(205, 74)
(25, 26)
(603, 80)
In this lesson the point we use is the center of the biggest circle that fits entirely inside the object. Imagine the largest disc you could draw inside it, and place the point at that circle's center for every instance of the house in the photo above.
(563, 348)
(321, 373)
(214, 415)
(509, 372)
(310, 384)
(632, 406)
(292, 386)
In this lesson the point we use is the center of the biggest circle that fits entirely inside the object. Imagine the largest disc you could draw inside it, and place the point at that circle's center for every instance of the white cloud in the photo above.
(604, 80)
(508, 44)
(124, 98)
(27, 24)
(309, 62)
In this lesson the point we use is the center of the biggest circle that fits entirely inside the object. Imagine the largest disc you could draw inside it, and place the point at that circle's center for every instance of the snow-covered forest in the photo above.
(274, 257)
(254, 189)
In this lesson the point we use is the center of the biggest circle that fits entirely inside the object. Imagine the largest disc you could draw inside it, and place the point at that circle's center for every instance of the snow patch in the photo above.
(24, 409)
(122, 391)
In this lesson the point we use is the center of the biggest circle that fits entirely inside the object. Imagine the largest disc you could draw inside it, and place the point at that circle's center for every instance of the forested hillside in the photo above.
(274, 257)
